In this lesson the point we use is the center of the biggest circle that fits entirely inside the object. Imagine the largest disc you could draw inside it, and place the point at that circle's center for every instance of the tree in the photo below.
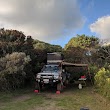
(74, 55)
(46, 47)
(87, 45)
(102, 56)
(83, 41)
(11, 41)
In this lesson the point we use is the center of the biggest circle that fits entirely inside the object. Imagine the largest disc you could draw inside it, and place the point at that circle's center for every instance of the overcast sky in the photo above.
(56, 21)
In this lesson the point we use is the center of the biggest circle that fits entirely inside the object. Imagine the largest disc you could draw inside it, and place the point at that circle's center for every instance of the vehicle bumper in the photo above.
(47, 81)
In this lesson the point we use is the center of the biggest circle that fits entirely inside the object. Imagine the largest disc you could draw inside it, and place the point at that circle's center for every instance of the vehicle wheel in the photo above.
(37, 86)
(60, 86)
(40, 86)
(66, 82)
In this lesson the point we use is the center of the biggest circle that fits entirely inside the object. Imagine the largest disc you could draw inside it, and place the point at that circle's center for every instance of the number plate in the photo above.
(46, 80)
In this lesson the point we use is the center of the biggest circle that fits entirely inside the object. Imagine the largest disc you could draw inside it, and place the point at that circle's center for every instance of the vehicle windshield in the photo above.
(51, 68)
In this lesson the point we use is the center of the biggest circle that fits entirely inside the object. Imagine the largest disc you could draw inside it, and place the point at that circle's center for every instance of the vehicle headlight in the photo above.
(56, 76)
(38, 76)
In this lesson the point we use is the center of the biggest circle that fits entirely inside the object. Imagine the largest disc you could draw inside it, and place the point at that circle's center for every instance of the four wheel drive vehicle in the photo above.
(52, 74)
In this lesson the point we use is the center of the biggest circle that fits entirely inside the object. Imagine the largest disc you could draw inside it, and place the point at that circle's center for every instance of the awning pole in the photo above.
(90, 75)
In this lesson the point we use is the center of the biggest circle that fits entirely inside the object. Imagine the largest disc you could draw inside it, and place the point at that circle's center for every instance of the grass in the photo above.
(76, 100)
(83, 98)
(70, 99)
(22, 105)
(21, 100)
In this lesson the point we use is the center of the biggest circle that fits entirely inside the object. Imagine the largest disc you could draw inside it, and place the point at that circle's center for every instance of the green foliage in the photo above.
(93, 69)
(83, 48)
(103, 54)
(102, 81)
(83, 41)
(12, 72)
(14, 62)
(47, 47)
(11, 41)
(11, 35)
(74, 55)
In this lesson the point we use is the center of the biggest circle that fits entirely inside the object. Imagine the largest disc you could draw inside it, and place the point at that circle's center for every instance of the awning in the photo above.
(74, 64)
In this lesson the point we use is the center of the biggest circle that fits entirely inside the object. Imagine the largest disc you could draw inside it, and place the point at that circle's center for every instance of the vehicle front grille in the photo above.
(47, 76)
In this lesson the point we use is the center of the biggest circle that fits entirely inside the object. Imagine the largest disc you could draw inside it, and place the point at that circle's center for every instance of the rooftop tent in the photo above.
(54, 57)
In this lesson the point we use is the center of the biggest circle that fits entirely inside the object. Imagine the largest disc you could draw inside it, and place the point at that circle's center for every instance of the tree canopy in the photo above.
(46, 46)
(83, 41)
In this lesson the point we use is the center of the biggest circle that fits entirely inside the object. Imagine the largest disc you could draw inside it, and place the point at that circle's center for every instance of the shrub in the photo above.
(12, 72)
(102, 82)
(93, 69)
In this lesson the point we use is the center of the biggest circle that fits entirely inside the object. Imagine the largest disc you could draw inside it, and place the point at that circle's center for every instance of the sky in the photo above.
(57, 21)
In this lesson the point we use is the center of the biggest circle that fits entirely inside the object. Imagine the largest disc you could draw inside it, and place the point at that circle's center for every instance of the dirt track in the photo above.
(70, 99)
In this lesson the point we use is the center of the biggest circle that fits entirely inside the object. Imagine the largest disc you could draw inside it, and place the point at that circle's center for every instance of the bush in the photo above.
(102, 82)
(93, 69)
(12, 72)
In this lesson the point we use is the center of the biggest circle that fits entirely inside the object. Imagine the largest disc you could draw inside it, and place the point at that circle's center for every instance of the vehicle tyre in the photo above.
(60, 86)
(66, 82)
(37, 86)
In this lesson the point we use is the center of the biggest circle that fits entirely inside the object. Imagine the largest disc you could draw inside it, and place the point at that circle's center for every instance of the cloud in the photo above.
(102, 27)
(43, 19)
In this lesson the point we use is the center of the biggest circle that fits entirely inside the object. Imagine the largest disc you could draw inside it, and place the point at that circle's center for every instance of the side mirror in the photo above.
(63, 70)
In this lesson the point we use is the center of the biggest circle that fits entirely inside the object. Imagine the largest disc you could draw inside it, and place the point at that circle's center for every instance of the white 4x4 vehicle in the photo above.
(52, 74)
